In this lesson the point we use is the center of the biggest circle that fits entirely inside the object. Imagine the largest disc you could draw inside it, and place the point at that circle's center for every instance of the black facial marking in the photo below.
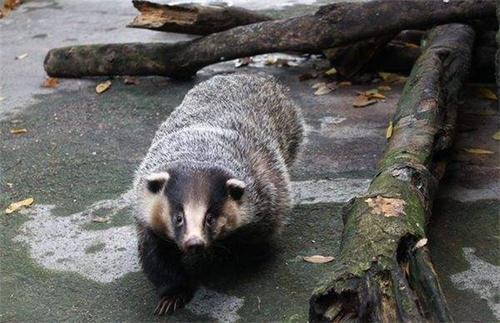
(236, 192)
(205, 185)
(154, 186)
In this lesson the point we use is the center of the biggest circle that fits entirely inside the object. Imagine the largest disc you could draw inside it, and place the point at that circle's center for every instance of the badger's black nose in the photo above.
(194, 244)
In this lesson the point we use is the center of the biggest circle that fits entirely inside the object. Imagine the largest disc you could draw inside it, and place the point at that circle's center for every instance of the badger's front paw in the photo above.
(170, 303)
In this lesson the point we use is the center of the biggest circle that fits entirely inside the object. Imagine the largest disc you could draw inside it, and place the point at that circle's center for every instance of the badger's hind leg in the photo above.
(161, 262)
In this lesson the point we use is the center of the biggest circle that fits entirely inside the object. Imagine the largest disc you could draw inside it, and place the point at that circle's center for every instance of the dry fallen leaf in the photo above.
(22, 56)
(325, 88)
(345, 84)
(362, 101)
(422, 242)
(373, 94)
(244, 61)
(130, 80)
(101, 87)
(101, 219)
(392, 78)
(317, 259)
(386, 206)
(307, 76)
(390, 129)
(18, 131)
(496, 136)
(318, 85)
(10, 185)
(384, 88)
(17, 205)
(486, 93)
(11, 4)
(411, 45)
(50, 82)
(478, 151)
(332, 71)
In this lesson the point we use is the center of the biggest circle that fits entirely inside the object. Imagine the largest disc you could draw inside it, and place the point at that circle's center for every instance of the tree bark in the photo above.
(192, 18)
(384, 272)
(332, 25)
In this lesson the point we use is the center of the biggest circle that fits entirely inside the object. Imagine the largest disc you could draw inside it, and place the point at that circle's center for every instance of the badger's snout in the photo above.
(194, 244)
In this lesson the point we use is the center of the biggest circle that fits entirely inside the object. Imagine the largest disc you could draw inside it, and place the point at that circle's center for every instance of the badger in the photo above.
(217, 170)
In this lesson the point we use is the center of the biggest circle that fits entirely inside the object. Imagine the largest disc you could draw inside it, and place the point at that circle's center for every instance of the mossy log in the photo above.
(332, 25)
(192, 18)
(384, 272)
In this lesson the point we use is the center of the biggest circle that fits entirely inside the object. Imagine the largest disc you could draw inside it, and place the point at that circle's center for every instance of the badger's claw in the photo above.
(169, 304)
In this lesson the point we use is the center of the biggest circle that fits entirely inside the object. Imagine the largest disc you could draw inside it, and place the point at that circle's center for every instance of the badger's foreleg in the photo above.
(161, 262)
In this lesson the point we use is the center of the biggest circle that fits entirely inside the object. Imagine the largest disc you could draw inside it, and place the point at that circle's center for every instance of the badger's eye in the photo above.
(210, 219)
(179, 219)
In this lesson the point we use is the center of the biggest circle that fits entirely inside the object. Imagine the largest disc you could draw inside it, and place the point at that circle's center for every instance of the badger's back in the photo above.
(243, 124)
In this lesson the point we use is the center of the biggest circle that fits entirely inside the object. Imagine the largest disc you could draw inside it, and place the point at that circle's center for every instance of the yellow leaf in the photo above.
(386, 206)
(392, 78)
(478, 151)
(496, 136)
(362, 101)
(317, 259)
(390, 129)
(384, 88)
(486, 93)
(18, 131)
(101, 87)
(17, 205)
(345, 84)
(332, 71)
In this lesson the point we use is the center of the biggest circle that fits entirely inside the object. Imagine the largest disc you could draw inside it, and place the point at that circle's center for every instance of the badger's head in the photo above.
(193, 207)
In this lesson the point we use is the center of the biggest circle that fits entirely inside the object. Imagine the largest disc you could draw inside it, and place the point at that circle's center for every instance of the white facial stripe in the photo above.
(158, 176)
(194, 214)
(236, 183)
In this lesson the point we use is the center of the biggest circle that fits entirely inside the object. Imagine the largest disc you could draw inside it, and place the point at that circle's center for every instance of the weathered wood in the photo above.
(332, 25)
(399, 57)
(383, 273)
(192, 18)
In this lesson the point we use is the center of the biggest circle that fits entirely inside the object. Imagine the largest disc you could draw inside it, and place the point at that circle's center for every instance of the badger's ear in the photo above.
(156, 182)
(236, 188)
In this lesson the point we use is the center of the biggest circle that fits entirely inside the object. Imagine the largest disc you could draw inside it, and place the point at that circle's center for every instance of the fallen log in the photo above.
(192, 18)
(332, 25)
(399, 57)
(384, 272)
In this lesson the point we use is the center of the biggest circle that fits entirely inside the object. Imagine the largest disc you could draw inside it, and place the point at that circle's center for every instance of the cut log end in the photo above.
(405, 290)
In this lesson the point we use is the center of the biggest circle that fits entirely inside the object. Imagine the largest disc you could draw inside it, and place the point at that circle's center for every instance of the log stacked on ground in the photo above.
(384, 272)
(331, 26)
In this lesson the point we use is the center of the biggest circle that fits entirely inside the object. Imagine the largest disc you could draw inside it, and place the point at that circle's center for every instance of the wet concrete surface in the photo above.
(464, 230)
(80, 151)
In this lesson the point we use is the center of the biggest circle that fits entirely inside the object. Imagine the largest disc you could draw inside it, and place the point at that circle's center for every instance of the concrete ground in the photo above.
(80, 151)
